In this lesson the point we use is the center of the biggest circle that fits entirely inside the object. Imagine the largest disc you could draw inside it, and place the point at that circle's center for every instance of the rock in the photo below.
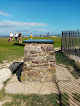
(14, 66)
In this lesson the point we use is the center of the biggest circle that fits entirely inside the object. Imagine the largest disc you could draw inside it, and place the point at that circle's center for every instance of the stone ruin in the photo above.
(39, 61)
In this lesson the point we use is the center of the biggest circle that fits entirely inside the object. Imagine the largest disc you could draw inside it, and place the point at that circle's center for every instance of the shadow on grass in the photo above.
(19, 44)
(63, 59)
(16, 68)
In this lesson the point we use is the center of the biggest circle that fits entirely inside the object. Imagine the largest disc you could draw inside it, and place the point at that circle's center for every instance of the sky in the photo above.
(39, 16)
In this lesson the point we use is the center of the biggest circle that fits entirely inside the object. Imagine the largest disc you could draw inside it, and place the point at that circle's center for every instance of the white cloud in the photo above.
(44, 30)
(4, 14)
(13, 23)
(24, 27)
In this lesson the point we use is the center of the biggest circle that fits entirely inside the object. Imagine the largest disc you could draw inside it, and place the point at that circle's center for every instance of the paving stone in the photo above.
(32, 87)
(15, 88)
(5, 74)
(14, 79)
(45, 89)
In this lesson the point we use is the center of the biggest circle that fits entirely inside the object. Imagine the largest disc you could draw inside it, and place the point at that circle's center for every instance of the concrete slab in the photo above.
(66, 83)
(69, 87)
(15, 87)
(14, 79)
(5, 74)
(63, 74)
(45, 89)
(32, 87)
(53, 87)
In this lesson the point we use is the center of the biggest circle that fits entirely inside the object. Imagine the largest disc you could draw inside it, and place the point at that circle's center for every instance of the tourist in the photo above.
(48, 34)
(11, 36)
(20, 37)
(40, 35)
(16, 35)
(31, 36)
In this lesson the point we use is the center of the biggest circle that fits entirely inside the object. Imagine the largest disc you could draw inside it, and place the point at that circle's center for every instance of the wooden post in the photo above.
(62, 42)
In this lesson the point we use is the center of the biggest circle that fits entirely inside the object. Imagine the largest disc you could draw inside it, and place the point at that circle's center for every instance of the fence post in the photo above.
(62, 42)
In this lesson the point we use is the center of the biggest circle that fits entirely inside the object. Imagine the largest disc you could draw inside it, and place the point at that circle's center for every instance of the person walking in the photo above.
(20, 37)
(11, 36)
(16, 35)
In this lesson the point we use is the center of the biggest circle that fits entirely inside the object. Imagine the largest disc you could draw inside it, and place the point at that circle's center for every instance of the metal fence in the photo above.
(71, 42)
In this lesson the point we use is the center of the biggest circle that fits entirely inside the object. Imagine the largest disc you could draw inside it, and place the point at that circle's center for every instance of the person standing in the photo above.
(16, 35)
(48, 34)
(40, 35)
(31, 36)
(20, 37)
(11, 36)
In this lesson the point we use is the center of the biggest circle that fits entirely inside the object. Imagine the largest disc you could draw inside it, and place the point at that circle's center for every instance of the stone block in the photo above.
(35, 62)
(26, 68)
(39, 62)
(52, 70)
(33, 52)
(49, 49)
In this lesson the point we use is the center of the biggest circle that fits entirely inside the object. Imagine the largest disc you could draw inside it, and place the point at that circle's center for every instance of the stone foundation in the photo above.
(39, 62)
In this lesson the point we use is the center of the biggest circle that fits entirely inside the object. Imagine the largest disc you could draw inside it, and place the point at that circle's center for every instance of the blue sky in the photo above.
(39, 16)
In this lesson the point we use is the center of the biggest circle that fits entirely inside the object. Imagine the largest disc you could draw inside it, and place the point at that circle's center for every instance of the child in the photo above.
(31, 36)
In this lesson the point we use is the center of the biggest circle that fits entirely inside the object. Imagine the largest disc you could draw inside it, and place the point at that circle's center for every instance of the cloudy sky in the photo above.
(39, 16)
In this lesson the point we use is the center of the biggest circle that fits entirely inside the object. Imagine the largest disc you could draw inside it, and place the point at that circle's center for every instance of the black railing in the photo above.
(71, 42)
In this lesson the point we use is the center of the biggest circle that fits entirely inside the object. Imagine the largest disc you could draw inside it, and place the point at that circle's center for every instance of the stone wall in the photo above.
(39, 62)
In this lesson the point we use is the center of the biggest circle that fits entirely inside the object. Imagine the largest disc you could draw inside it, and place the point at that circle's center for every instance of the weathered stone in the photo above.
(46, 64)
(43, 48)
(44, 61)
(33, 74)
(36, 65)
(49, 49)
(24, 65)
(40, 62)
(26, 68)
(33, 55)
(25, 52)
(43, 54)
(27, 59)
(35, 62)
(52, 64)
(51, 53)
(33, 52)
(52, 69)
(38, 49)
(50, 58)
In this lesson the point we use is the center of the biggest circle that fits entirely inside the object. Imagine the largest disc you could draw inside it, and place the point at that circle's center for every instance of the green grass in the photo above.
(11, 50)
(37, 100)
(77, 97)
(5, 82)
(34, 99)
(62, 58)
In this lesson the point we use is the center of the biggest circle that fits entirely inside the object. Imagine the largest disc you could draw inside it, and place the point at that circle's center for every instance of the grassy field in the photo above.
(10, 51)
